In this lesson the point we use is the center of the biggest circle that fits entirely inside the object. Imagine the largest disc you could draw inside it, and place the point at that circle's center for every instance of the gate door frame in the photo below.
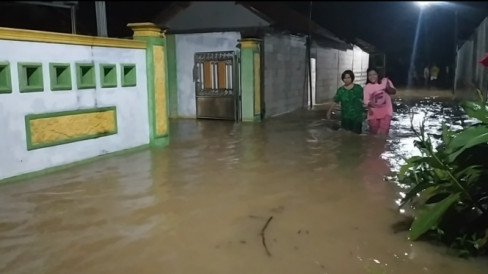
(217, 89)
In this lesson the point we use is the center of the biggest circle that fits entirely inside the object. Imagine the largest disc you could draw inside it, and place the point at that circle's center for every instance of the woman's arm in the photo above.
(366, 97)
(329, 112)
(336, 100)
(390, 88)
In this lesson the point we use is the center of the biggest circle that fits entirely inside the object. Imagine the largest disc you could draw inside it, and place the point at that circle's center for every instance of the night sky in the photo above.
(390, 26)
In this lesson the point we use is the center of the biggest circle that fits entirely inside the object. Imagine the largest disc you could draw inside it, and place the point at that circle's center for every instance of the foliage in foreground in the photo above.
(449, 185)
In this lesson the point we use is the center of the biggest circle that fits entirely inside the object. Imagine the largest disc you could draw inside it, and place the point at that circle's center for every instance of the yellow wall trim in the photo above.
(160, 91)
(249, 43)
(146, 30)
(257, 83)
(65, 38)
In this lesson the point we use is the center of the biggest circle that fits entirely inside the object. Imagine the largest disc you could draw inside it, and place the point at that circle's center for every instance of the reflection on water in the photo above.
(433, 112)
(199, 205)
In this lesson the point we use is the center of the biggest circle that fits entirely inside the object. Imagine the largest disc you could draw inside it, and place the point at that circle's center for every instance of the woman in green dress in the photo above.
(350, 96)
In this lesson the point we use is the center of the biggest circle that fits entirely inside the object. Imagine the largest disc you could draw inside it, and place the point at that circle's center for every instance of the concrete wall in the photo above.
(364, 57)
(330, 65)
(186, 47)
(470, 75)
(284, 73)
(285, 80)
(327, 70)
(131, 105)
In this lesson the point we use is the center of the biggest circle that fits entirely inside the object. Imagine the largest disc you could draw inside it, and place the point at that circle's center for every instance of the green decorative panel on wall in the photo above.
(60, 75)
(129, 78)
(30, 77)
(108, 75)
(5, 78)
(85, 75)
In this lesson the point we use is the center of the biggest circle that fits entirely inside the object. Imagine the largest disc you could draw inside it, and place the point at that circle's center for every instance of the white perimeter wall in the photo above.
(130, 102)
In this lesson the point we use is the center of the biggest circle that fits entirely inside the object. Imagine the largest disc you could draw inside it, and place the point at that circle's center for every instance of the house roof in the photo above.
(283, 17)
(171, 11)
(367, 47)
(278, 15)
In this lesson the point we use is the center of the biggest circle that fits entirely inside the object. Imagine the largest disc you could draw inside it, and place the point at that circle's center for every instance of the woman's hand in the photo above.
(389, 89)
(329, 112)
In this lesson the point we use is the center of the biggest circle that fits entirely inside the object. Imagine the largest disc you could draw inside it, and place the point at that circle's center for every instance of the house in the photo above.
(377, 58)
(213, 74)
(470, 76)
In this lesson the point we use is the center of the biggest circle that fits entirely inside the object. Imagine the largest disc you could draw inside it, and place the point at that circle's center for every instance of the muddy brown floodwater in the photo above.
(199, 205)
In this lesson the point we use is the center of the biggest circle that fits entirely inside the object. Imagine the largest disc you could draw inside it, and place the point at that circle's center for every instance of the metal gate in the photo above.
(216, 85)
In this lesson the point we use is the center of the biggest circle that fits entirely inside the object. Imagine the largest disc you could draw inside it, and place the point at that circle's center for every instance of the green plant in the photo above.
(449, 184)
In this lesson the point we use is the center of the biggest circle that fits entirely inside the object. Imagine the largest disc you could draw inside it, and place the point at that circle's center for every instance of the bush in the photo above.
(449, 185)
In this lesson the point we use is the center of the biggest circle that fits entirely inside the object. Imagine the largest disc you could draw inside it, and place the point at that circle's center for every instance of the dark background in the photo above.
(389, 26)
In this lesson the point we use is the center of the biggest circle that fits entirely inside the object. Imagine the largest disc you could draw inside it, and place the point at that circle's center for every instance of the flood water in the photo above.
(200, 204)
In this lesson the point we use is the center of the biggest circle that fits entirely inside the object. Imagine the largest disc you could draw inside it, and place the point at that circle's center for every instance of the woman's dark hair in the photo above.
(347, 72)
(380, 77)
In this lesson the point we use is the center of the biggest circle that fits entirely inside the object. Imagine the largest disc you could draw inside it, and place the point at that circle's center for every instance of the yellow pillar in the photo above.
(157, 75)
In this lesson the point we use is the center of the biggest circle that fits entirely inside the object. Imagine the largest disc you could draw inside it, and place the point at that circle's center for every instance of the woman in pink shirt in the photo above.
(376, 98)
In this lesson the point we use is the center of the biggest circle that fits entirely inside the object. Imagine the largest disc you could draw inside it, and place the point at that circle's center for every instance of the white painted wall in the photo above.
(131, 104)
(186, 47)
(356, 60)
(345, 63)
(360, 65)
(331, 63)
(327, 69)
